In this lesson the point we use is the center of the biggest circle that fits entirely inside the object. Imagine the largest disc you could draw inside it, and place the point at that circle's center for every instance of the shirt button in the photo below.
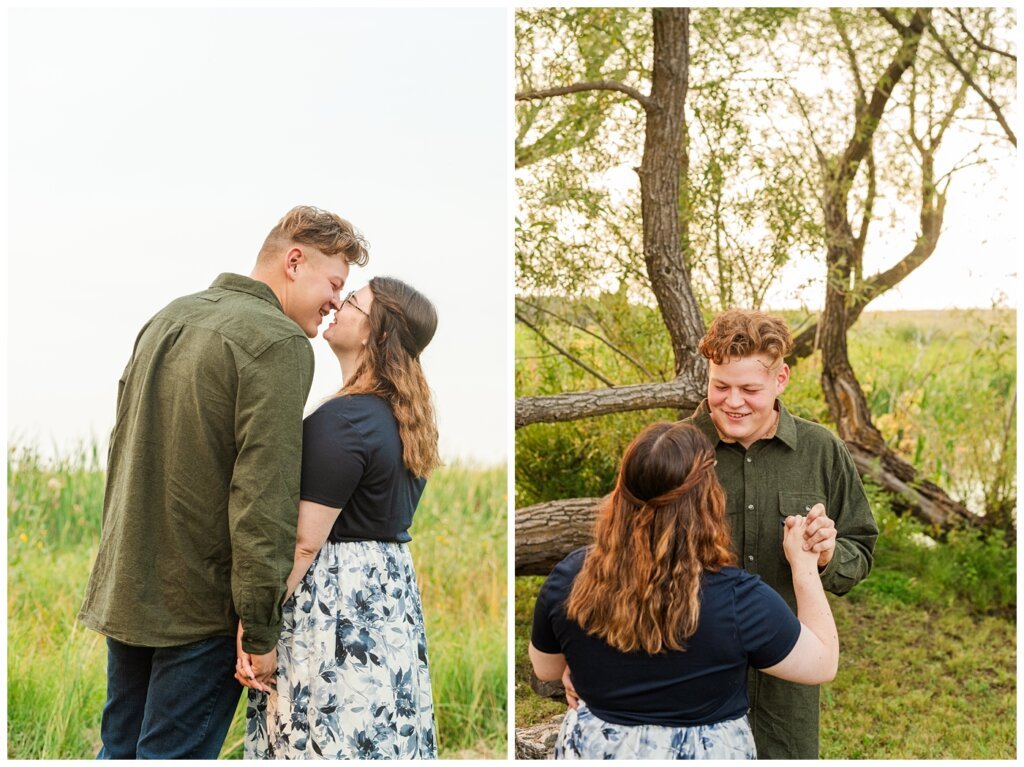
(751, 507)
(750, 558)
(750, 460)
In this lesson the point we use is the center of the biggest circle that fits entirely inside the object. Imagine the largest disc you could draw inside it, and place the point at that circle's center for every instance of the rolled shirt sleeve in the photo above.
(264, 495)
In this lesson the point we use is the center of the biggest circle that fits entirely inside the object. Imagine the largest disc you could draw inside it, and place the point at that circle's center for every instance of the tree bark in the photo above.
(659, 190)
(538, 742)
(683, 393)
(546, 532)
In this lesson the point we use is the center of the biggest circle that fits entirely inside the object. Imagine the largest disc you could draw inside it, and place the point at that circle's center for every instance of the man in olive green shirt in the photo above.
(201, 499)
(773, 465)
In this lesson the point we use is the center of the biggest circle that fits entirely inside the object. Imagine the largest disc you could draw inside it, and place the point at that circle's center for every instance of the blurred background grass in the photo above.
(56, 668)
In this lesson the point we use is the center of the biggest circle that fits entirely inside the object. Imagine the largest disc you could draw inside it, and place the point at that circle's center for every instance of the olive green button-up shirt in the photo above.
(802, 464)
(202, 489)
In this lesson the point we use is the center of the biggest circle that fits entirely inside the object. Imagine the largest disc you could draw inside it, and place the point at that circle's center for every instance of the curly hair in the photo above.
(402, 322)
(740, 333)
(325, 231)
(662, 526)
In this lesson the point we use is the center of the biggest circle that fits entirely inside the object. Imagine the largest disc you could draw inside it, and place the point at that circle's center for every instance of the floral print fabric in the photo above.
(352, 679)
(585, 736)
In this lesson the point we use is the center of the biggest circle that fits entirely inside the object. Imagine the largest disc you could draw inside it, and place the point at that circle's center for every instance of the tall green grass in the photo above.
(56, 668)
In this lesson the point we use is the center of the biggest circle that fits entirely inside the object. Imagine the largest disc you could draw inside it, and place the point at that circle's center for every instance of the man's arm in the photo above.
(264, 498)
(856, 531)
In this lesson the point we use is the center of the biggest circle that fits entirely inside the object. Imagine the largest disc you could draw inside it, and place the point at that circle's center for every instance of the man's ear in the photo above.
(782, 377)
(293, 258)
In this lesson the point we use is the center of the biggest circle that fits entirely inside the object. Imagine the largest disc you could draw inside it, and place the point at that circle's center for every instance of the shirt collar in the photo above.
(237, 282)
(785, 427)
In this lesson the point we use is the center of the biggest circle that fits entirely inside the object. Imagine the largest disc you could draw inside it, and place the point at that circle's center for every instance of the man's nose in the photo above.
(733, 398)
(336, 301)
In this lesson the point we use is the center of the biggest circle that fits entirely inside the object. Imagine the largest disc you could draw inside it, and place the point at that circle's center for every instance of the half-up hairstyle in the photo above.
(662, 526)
(402, 322)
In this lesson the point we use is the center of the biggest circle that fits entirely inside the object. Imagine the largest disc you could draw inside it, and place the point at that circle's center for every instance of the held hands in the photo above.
(794, 545)
(254, 671)
(820, 534)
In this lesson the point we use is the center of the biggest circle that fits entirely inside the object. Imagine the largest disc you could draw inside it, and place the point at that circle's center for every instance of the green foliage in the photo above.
(968, 569)
(941, 389)
(580, 458)
(56, 668)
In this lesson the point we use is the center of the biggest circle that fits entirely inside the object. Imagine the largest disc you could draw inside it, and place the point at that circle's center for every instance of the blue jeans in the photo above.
(169, 702)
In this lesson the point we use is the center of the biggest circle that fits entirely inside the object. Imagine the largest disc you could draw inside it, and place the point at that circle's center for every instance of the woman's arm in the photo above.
(315, 523)
(815, 657)
(547, 666)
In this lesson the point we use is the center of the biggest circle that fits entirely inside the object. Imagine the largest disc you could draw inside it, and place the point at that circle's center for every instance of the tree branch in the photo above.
(568, 355)
(594, 85)
(622, 353)
(970, 81)
(977, 43)
(680, 393)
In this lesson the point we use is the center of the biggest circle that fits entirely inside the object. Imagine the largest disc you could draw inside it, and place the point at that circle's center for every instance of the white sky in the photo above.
(150, 150)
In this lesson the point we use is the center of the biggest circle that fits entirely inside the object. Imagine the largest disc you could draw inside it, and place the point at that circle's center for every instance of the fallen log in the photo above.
(538, 741)
(546, 532)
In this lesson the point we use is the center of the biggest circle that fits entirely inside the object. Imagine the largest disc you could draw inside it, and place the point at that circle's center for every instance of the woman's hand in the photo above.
(244, 671)
(793, 544)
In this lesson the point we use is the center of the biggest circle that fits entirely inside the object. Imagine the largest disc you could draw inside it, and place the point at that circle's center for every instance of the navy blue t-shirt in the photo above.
(352, 460)
(742, 621)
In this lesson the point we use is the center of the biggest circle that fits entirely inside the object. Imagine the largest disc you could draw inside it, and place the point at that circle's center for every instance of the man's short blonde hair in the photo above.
(327, 232)
(739, 333)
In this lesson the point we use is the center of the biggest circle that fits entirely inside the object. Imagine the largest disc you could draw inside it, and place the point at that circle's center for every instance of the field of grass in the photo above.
(928, 641)
(56, 668)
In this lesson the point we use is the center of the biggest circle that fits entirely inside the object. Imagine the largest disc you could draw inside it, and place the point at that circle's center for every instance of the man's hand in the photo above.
(570, 692)
(252, 670)
(820, 534)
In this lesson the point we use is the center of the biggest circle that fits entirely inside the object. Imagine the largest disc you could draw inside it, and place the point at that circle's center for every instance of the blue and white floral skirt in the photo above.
(352, 677)
(585, 736)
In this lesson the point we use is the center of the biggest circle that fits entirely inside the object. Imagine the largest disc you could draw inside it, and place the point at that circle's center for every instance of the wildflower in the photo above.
(54, 485)
(24, 538)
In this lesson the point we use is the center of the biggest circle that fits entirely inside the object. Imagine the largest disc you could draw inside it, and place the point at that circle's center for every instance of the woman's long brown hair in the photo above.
(402, 322)
(662, 526)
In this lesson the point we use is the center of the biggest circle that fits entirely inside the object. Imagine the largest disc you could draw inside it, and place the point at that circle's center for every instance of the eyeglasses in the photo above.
(351, 299)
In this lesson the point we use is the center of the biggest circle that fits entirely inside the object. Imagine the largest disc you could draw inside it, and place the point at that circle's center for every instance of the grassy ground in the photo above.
(913, 682)
(56, 668)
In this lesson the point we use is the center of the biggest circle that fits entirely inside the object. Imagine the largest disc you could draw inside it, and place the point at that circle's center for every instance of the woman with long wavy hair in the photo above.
(353, 681)
(659, 625)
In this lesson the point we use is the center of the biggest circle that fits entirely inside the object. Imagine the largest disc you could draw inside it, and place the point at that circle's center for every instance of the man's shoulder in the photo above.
(245, 320)
(815, 432)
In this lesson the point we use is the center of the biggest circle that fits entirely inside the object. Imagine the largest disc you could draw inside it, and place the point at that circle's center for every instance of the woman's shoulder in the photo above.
(734, 578)
(355, 408)
(563, 574)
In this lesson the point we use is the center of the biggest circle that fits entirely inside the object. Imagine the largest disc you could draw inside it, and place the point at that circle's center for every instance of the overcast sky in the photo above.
(151, 150)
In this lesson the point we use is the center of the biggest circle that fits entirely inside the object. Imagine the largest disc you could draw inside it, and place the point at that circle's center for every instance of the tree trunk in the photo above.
(683, 393)
(546, 532)
(664, 147)
(843, 393)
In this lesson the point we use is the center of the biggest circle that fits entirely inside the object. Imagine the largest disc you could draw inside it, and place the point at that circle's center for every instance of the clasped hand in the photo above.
(813, 535)
(256, 672)
(819, 534)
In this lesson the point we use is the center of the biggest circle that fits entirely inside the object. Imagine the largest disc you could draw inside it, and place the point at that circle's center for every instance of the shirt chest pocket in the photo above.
(793, 504)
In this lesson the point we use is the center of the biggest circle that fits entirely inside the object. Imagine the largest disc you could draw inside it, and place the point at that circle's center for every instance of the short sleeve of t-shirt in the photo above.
(333, 458)
(552, 597)
(767, 627)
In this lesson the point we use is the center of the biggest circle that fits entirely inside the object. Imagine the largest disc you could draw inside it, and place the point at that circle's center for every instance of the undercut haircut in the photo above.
(327, 232)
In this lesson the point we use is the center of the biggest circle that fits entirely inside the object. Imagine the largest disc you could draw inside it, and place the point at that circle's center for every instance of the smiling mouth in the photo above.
(734, 416)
